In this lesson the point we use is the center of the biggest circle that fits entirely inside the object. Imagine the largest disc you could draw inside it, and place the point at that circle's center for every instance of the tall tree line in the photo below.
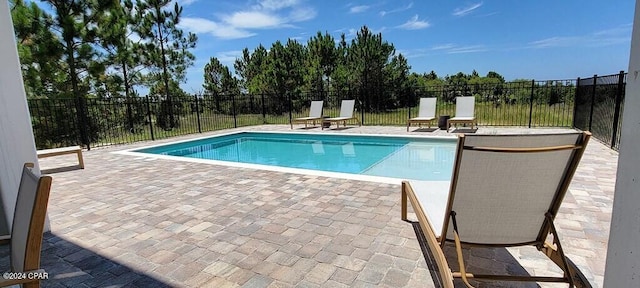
(287, 70)
(366, 68)
(103, 49)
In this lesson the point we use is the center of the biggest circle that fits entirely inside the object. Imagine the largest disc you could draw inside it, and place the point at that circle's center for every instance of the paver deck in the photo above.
(139, 221)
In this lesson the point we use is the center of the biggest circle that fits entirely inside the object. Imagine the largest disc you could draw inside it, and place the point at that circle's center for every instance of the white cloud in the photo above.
(201, 25)
(487, 14)
(466, 49)
(252, 19)
(612, 36)
(228, 57)
(448, 48)
(399, 9)
(571, 41)
(620, 30)
(302, 14)
(274, 5)
(358, 9)
(414, 24)
(186, 2)
(266, 14)
(555, 42)
(443, 46)
(463, 11)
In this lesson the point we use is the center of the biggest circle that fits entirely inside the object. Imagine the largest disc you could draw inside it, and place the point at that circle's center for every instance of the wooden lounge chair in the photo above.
(512, 204)
(346, 113)
(315, 114)
(27, 228)
(426, 112)
(464, 112)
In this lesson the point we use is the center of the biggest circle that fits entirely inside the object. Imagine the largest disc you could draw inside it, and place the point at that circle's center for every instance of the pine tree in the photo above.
(167, 48)
(77, 23)
(125, 56)
(218, 81)
(39, 49)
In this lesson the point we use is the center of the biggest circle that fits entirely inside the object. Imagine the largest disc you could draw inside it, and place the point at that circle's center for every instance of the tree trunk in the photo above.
(79, 99)
(165, 74)
(127, 97)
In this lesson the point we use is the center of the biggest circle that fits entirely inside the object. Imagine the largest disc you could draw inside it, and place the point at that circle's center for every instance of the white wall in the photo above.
(16, 135)
(623, 255)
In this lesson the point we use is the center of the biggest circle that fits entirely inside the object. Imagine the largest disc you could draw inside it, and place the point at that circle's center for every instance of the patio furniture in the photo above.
(512, 204)
(315, 114)
(62, 151)
(346, 113)
(464, 112)
(426, 112)
(27, 229)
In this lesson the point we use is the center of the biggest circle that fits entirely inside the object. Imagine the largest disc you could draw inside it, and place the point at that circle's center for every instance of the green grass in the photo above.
(559, 115)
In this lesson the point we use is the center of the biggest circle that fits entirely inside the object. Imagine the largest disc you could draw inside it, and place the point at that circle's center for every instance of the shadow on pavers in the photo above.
(512, 265)
(70, 265)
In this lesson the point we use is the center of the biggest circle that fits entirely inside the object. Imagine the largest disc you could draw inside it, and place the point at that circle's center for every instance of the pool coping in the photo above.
(359, 177)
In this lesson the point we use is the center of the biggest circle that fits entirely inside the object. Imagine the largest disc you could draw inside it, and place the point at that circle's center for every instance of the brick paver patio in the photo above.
(138, 221)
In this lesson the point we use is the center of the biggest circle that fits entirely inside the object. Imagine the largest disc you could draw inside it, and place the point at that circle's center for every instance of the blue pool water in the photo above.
(395, 157)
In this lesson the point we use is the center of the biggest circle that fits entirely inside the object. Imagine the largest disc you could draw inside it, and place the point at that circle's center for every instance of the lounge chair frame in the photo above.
(553, 250)
(26, 234)
(426, 113)
(347, 108)
(465, 106)
(315, 114)
(63, 151)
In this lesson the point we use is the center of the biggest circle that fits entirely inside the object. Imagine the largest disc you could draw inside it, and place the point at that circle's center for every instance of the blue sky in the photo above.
(541, 39)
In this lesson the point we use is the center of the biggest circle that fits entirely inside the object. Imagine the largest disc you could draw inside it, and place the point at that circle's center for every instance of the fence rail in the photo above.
(101, 122)
(599, 105)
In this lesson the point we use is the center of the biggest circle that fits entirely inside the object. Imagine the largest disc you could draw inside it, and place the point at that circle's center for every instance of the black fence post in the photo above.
(149, 117)
(575, 102)
(363, 104)
(290, 108)
(233, 110)
(533, 86)
(129, 115)
(409, 107)
(616, 115)
(593, 99)
(198, 113)
(264, 110)
(81, 110)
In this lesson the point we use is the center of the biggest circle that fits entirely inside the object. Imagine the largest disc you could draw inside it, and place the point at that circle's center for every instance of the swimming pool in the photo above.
(417, 158)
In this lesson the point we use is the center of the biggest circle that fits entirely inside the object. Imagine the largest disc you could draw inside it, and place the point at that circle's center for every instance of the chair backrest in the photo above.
(507, 204)
(316, 109)
(346, 108)
(465, 106)
(28, 220)
(427, 107)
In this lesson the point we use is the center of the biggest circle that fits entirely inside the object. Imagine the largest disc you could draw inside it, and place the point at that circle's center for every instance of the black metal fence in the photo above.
(101, 122)
(599, 105)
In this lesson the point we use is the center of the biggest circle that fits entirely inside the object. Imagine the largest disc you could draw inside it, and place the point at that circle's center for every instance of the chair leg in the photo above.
(575, 277)
(80, 159)
(403, 202)
(456, 238)
(433, 242)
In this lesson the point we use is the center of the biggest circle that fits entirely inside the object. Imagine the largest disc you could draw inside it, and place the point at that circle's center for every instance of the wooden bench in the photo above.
(62, 151)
